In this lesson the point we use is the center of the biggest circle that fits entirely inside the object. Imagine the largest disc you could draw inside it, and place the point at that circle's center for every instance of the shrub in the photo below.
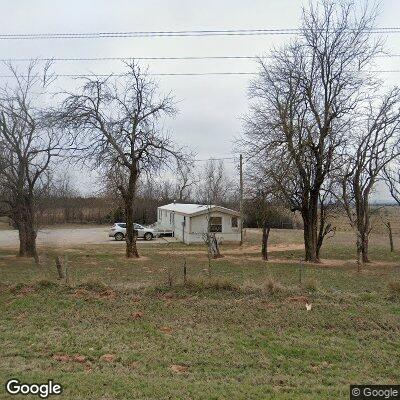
(271, 286)
(311, 284)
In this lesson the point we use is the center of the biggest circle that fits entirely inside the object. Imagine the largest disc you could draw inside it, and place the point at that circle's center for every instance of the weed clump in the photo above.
(23, 289)
(272, 286)
(311, 284)
(93, 285)
(45, 284)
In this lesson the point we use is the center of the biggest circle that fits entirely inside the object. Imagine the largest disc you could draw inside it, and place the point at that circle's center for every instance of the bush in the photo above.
(311, 284)
(271, 286)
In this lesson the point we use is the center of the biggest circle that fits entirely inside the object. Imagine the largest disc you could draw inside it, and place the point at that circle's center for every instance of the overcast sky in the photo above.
(210, 106)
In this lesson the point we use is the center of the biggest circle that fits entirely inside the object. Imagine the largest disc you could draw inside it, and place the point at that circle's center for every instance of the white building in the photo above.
(190, 221)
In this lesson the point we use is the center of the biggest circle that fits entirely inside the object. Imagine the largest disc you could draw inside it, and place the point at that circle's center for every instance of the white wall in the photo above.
(199, 226)
(195, 227)
(175, 223)
(163, 219)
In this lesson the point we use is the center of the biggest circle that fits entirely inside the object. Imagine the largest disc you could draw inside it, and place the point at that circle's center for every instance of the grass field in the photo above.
(379, 215)
(119, 330)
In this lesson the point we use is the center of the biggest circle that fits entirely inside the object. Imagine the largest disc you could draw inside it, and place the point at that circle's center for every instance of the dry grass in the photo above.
(390, 213)
(118, 331)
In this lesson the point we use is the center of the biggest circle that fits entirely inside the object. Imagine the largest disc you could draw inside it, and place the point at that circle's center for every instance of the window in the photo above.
(171, 218)
(215, 224)
(234, 221)
(159, 215)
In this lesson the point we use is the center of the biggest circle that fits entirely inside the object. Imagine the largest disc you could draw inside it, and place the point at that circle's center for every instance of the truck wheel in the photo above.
(148, 236)
(119, 236)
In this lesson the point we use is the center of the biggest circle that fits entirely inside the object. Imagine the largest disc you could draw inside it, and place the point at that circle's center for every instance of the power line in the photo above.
(131, 58)
(189, 33)
(150, 74)
(185, 33)
(178, 58)
(172, 74)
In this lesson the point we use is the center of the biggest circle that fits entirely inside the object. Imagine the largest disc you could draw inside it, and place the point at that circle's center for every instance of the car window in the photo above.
(122, 225)
(137, 226)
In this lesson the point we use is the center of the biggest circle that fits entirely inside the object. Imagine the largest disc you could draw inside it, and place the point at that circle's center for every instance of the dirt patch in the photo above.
(23, 290)
(329, 263)
(298, 299)
(67, 358)
(137, 315)
(108, 358)
(178, 369)
(271, 248)
(179, 252)
(166, 329)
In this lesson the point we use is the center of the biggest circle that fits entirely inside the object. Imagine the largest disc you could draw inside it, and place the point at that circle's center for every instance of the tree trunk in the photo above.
(22, 239)
(310, 221)
(213, 246)
(27, 231)
(389, 227)
(360, 262)
(31, 233)
(131, 246)
(362, 238)
(264, 249)
(365, 248)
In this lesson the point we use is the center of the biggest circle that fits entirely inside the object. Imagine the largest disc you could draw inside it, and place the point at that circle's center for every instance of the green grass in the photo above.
(232, 336)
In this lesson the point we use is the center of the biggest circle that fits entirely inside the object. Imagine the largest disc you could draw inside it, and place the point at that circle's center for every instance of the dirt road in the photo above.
(62, 237)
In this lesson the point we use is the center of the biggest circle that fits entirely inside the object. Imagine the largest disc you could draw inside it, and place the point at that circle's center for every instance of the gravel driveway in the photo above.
(63, 237)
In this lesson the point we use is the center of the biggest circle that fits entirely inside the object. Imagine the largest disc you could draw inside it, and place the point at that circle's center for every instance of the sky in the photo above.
(210, 107)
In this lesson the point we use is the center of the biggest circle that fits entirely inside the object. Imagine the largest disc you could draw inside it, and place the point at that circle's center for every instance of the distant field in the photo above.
(388, 213)
(130, 329)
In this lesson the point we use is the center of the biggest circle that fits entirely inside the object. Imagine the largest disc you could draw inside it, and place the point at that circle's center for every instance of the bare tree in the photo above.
(301, 106)
(28, 145)
(375, 144)
(214, 187)
(118, 123)
(392, 179)
(185, 182)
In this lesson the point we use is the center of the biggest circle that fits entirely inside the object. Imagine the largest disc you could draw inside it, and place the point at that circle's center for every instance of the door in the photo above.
(140, 230)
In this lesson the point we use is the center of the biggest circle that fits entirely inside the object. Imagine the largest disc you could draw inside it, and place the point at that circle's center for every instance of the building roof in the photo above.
(196, 209)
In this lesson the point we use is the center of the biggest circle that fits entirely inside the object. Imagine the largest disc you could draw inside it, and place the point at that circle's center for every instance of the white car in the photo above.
(118, 231)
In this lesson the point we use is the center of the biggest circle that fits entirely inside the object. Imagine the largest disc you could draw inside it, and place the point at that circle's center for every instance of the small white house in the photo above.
(190, 221)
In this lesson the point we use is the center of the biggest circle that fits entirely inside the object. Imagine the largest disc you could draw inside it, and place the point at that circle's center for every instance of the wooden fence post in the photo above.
(59, 268)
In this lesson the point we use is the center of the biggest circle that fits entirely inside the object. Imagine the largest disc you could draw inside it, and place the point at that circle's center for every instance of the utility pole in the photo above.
(241, 197)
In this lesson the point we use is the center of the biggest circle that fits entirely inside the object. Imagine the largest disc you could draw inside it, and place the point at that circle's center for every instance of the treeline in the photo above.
(63, 204)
